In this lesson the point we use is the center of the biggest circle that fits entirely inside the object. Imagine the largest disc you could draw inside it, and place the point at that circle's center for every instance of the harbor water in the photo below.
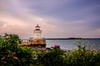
(72, 44)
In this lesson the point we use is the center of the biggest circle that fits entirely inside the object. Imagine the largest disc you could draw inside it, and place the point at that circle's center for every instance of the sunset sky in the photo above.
(57, 18)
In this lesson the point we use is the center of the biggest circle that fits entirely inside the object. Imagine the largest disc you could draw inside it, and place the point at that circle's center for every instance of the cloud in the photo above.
(23, 26)
(21, 22)
(57, 18)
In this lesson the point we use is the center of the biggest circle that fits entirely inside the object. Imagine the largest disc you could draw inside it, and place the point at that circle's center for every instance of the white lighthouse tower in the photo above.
(37, 40)
(37, 32)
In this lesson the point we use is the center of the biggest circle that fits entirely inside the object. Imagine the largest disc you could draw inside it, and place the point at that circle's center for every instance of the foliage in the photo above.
(83, 57)
(11, 54)
(53, 57)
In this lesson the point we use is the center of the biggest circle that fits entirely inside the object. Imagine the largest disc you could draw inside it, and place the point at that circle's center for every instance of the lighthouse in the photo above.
(37, 40)
(37, 32)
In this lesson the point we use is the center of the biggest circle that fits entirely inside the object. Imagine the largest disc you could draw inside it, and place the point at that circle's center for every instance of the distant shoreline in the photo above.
(72, 38)
(69, 39)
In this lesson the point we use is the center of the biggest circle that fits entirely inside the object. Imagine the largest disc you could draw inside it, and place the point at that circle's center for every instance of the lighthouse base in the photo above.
(38, 45)
(35, 43)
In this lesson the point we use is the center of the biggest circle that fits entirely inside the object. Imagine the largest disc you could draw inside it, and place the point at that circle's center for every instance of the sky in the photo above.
(57, 18)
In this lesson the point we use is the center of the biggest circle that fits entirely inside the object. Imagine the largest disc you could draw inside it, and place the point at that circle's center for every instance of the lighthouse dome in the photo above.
(37, 26)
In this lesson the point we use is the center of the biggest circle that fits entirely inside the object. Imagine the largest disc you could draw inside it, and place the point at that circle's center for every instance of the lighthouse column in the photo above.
(37, 39)
(37, 32)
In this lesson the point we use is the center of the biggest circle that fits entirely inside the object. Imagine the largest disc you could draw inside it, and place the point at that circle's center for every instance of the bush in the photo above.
(52, 57)
(83, 57)
(11, 54)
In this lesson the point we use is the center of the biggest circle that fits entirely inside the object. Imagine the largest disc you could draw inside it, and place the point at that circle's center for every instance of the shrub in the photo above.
(11, 54)
(53, 57)
(83, 57)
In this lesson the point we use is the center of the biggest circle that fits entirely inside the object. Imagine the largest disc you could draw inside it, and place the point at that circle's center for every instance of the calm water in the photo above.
(72, 44)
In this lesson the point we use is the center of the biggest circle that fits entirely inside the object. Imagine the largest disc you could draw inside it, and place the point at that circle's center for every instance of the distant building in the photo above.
(37, 40)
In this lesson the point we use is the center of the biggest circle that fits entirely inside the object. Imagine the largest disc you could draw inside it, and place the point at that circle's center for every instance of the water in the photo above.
(72, 44)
